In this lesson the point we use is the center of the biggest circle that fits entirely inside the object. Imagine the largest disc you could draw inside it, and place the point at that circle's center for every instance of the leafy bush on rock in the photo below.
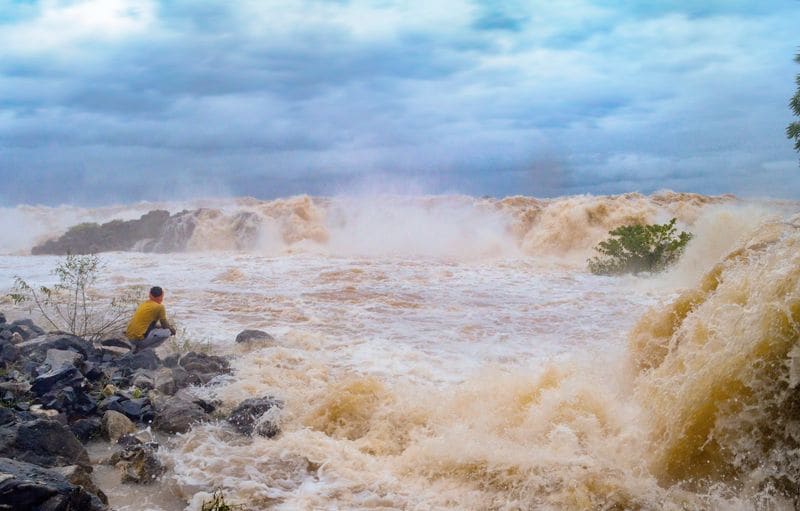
(73, 306)
(637, 248)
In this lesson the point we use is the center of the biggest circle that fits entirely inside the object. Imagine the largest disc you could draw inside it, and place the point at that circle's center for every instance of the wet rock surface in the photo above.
(60, 391)
(250, 416)
(31, 487)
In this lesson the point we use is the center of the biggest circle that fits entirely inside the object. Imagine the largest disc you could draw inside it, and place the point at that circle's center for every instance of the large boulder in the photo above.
(255, 338)
(178, 413)
(249, 416)
(57, 378)
(36, 348)
(30, 487)
(43, 442)
(145, 359)
(204, 367)
(25, 328)
(91, 238)
(115, 425)
(86, 429)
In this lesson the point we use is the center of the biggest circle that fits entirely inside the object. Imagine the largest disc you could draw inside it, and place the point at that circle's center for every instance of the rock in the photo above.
(7, 416)
(143, 379)
(177, 413)
(36, 348)
(164, 382)
(25, 328)
(29, 487)
(79, 476)
(43, 442)
(129, 440)
(249, 412)
(115, 425)
(41, 412)
(118, 342)
(138, 462)
(255, 337)
(73, 401)
(110, 353)
(9, 353)
(204, 367)
(135, 409)
(172, 360)
(17, 389)
(93, 372)
(145, 359)
(16, 338)
(183, 378)
(61, 377)
(2, 318)
(6, 333)
(87, 429)
(91, 238)
(57, 359)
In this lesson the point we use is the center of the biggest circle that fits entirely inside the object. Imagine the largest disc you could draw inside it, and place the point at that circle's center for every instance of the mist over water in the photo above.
(453, 352)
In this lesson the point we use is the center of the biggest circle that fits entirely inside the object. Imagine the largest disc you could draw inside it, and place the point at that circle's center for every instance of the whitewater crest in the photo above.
(449, 226)
(705, 417)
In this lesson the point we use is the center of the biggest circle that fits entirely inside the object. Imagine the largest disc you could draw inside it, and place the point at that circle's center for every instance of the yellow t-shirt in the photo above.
(145, 314)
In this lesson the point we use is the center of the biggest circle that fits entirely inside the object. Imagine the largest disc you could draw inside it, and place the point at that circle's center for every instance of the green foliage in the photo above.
(635, 248)
(217, 503)
(72, 305)
(793, 130)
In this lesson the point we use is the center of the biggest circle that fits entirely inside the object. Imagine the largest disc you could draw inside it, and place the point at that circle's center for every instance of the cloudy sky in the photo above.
(118, 100)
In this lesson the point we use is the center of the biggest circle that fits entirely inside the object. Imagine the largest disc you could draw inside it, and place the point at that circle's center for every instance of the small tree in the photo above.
(793, 130)
(72, 305)
(635, 248)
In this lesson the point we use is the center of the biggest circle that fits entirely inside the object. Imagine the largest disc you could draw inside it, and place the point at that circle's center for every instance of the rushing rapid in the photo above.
(454, 353)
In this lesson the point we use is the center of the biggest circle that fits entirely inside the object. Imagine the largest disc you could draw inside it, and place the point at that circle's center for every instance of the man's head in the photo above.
(156, 294)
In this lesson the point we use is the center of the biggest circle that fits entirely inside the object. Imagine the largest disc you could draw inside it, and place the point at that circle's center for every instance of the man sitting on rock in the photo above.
(142, 328)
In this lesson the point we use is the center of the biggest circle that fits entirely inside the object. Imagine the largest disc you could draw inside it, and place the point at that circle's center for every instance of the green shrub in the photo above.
(637, 248)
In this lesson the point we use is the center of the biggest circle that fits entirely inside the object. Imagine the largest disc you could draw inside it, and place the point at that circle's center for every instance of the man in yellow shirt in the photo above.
(142, 328)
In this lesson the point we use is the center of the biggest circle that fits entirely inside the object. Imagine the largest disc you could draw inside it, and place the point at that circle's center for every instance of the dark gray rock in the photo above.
(25, 328)
(146, 359)
(172, 360)
(55, 359)
(57, 378)
(43, 442)
(25, 486)
(135, 409)
(255, 336)
(204, 367)
(119, 342)
(183, 378)
(87, 429)
(164, 382)
(36, 349)
(73, 401)
(5, 333)
(177, 413)
(9, 352)
(2, 318)
(138, 462)
(91, 238)
(249, 412)
(81, 477)
(142, 379)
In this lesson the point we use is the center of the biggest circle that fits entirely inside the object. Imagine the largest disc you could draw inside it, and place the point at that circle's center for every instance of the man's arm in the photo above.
(164, 323)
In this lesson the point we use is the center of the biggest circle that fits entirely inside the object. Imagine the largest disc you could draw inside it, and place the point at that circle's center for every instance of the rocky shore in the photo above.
(58, 392)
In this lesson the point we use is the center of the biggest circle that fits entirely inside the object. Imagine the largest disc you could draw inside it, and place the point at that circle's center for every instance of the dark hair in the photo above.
(156, 291)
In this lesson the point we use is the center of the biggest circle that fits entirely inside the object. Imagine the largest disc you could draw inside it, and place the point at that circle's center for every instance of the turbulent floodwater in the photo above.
(453, 353)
